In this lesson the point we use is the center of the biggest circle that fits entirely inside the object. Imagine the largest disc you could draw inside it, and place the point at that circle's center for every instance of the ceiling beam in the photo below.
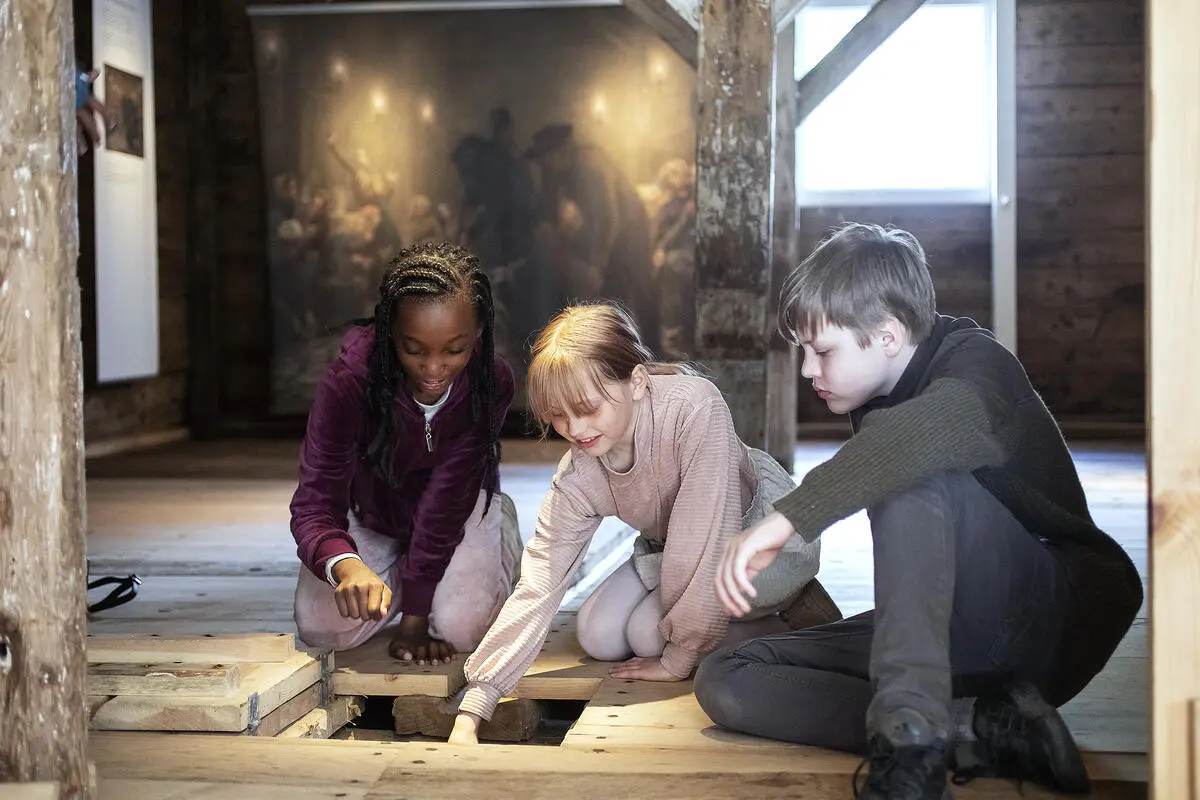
(871, 31)
(784, 11)
(677, 22)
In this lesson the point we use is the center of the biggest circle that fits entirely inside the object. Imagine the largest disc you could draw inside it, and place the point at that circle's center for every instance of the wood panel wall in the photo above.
(1081, 216)
(135, 407)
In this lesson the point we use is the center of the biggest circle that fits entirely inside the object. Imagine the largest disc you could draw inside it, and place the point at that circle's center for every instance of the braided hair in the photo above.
(429, 271)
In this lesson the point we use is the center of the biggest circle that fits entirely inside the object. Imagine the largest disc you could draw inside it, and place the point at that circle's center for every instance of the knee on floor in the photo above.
(602, 639)
(642, 634)
(714, 689)
(325, 639)
(462, 630)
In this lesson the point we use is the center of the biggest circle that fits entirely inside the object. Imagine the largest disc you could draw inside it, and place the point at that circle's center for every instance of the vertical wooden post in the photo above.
(43, 725)
(733, 197)
(1174, 453)
(785, 252)
(203, 287)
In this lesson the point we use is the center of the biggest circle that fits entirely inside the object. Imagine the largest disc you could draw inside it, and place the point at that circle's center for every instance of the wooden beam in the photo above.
(43, 616)
(784, 13)
(1174, 449)
(203, 279)
(785, 255)
(676, 21)
(735, 135)
(140, 648)
(884, 18)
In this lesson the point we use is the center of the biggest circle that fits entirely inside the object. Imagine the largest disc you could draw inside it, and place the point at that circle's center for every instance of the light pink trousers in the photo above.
(466, 602)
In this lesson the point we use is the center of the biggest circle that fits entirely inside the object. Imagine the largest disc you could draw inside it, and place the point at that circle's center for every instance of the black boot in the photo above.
(907, 760)
(1022, 736)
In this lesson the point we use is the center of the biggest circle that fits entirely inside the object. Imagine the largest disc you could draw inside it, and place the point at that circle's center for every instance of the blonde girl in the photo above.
(654, 445)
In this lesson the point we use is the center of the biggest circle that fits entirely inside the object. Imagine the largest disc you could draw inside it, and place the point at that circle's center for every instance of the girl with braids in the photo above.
(652, 444)
(398, 517)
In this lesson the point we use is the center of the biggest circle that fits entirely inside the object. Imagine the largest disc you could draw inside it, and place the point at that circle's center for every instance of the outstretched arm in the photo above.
(948, 427)
(566, 522)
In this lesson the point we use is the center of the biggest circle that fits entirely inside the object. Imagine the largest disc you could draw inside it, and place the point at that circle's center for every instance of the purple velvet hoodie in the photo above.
(435, 492)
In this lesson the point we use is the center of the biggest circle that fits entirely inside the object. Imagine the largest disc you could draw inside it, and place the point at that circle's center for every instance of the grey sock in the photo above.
(962, 711)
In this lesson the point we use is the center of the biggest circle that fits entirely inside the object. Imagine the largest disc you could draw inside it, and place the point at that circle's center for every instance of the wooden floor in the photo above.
(206, 528)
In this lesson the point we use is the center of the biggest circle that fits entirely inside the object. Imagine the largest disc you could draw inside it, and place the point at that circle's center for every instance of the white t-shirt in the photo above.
(430, 410)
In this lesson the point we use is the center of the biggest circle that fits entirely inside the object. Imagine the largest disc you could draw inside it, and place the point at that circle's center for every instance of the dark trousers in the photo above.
(965, 599)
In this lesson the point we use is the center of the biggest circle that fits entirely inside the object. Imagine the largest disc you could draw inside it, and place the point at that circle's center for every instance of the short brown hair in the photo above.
(859, 275)
(581, 349)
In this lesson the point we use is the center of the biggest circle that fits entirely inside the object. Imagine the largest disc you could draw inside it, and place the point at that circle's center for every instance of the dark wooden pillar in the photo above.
(734, 160)
(43, 724)
(785, 255)
(203, 288)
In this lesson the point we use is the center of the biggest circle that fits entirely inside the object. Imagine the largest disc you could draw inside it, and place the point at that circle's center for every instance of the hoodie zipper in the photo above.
(428, 437)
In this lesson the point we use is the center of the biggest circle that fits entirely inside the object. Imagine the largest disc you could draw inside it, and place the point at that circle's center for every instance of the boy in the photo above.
(992, 584)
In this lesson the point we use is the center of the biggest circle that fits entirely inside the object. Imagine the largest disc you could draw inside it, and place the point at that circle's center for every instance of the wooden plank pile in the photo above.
(249, 684)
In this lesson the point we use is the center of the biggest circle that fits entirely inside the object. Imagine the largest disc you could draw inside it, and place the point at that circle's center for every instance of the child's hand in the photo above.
(466, 729)
(746, 555)
(412, 642)
(643, 669)
(360, 594)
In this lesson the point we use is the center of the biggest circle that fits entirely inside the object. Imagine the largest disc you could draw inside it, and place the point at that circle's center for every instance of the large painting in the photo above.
(556, 143)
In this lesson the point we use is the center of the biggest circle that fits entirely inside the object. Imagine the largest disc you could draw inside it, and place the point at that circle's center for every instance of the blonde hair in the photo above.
(580, 350)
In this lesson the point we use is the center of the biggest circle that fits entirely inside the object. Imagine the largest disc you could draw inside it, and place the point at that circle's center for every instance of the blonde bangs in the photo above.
(558, 381)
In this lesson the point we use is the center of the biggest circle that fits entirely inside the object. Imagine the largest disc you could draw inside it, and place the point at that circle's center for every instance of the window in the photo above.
(914, 123)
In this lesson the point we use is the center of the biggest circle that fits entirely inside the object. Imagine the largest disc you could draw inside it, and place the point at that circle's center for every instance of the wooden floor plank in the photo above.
(208, 680)
(140, 648)
(29, 791)
(265, 688)
(370, 671)
(392, 771)
(560, 672)
(126, 789)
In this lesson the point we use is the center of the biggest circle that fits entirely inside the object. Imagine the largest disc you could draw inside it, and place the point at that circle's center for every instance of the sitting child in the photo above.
(654, 445)
(993, 586)
(398, 516)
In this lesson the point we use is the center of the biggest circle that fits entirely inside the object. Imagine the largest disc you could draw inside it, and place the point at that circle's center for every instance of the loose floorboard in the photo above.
(561, 671)
(207, 528)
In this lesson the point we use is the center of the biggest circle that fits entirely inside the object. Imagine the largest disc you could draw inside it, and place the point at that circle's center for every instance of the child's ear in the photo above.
(639, 379)
(892, 336)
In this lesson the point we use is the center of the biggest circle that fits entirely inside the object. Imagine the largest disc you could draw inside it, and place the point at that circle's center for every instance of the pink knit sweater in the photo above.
(689, 486)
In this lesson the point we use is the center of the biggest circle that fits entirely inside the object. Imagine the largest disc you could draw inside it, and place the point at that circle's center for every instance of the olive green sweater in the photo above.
(964, 403)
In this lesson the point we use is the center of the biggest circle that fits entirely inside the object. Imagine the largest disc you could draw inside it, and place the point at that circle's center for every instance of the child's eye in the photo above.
(455, 352)
(821, 353)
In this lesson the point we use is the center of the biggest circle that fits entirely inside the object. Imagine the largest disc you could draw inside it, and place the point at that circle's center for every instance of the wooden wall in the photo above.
(1080, 217)
(134, 407)
(1081, 205)
(242, 335)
